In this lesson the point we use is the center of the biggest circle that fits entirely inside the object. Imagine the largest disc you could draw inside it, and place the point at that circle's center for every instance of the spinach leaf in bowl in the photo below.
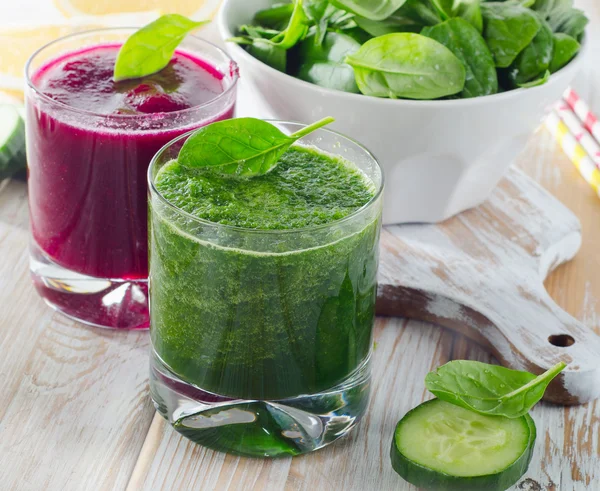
(324, 65)
(407, 65)
(324, 16)
(396, 22)
(296, 30)
(466, 43)
(276, 17)
(544, 77)
(422, 12)
(563, 17)
(565, 49)
(534, 59)
(470, 10)
(508, 30)
(572, 22)
(274, 56)
(371, 9)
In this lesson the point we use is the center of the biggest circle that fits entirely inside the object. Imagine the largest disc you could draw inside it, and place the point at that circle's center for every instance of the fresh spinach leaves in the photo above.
(562, 17)
(512, 44)
(534, 59)
(296, 29)
(324, 64)
(541, 80)
(508, 30)
(489, 389)
(243, 147)
(407, 65)
(371, 9)
(565, 48)
(460, 37)
(276, 17)
(268, 53)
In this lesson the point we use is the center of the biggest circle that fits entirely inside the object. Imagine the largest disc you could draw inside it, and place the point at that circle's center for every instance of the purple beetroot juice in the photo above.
(89, 142)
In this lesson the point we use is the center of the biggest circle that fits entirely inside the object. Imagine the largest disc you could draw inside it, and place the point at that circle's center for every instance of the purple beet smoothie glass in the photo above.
(88, 157)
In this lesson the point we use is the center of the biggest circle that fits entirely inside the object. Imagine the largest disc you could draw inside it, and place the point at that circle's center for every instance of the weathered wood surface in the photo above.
(482, 273)
(75, 412)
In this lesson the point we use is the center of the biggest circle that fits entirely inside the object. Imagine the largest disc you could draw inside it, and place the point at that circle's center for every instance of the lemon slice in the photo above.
(196, 9)
(24, 41)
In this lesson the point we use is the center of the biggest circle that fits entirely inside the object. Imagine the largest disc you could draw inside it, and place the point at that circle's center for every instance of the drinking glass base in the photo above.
(98, 302)
(259, 428)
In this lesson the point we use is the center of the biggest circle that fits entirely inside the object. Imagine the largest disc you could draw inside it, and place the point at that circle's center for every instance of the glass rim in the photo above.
(232, 63)
(258, 231)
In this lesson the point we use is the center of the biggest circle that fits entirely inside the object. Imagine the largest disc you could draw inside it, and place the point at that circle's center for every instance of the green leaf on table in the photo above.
(508, 30)
(407, 65)
(565, 49)
(150, 49)
(489, 389)
(243, 147)
(460, 37)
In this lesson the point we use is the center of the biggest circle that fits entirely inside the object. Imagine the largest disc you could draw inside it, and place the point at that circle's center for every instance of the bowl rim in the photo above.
(223, 25)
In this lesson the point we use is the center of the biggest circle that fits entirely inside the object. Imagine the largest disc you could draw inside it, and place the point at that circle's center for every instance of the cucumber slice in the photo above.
(445, 447)
(12, 141)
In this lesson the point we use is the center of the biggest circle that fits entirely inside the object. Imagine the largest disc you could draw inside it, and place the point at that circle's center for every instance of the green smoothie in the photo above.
(282, 308)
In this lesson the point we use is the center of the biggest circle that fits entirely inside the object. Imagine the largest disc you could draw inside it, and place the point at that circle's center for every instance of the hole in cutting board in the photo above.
(561, 340)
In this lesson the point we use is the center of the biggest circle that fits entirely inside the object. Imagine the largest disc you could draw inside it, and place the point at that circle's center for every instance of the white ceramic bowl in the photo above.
(439, 157)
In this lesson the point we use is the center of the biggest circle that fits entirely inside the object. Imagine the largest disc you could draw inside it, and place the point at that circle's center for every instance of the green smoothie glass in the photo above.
(261, 339)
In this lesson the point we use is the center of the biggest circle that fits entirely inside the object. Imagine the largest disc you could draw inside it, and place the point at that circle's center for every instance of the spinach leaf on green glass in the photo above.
(489, 389)
(565, 49)
(407, 65)
(534, 60)
(460, 37)
(508, 30)
(242, 147)
(324, 65)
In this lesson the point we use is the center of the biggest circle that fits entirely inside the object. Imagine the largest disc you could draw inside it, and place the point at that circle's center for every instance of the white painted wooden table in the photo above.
(75, 412)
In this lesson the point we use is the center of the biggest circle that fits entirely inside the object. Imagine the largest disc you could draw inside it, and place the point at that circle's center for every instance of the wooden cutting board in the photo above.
(482, 273)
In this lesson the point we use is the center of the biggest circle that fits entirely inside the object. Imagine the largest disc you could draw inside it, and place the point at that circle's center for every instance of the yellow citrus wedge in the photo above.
(24, 41)
(196, 9)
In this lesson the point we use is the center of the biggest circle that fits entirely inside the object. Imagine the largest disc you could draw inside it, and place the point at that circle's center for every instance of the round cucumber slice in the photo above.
(12, 141)
(445, 447)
